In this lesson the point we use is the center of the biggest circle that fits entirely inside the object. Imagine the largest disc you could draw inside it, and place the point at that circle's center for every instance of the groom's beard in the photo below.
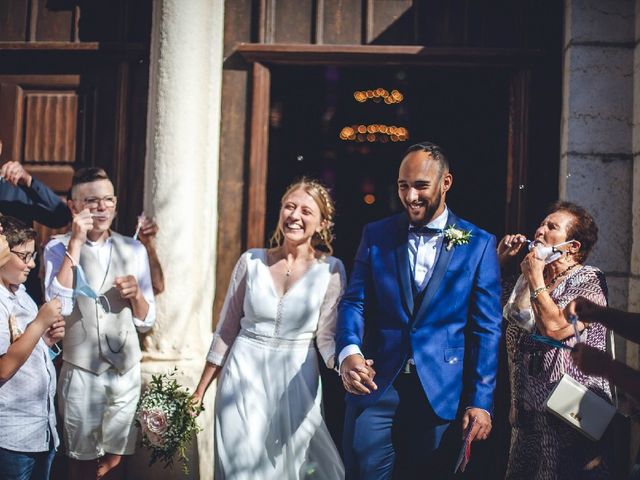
(430, 208)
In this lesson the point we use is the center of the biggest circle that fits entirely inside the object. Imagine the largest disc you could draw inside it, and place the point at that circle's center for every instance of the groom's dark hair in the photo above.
(437, 153)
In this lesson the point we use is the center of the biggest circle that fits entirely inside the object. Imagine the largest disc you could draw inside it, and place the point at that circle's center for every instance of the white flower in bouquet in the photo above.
(167, 419)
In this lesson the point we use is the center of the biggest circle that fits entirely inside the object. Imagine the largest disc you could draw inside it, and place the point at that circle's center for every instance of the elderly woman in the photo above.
(553, 274)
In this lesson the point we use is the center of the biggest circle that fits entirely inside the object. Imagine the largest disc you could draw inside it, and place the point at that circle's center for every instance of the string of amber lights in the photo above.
(374, 133)
(379, 95)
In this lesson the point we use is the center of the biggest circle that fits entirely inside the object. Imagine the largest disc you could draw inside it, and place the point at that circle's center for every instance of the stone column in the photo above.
(181, 180)
(600, 139)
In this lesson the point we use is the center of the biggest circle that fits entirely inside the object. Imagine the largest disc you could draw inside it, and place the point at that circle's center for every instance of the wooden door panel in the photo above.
(50, 123)
(11, 107)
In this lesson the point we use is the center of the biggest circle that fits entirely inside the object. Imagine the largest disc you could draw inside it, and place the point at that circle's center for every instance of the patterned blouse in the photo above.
(542, 446)
(535, 368)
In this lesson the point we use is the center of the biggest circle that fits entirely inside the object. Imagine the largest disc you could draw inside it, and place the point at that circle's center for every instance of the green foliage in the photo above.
(167, 419)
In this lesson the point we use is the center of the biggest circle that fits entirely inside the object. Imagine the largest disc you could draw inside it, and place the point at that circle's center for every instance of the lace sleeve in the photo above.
(325, 335)
(231, 314)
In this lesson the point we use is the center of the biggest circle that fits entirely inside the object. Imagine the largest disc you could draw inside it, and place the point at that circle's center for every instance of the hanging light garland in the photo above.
(379, 95)
(374, 133)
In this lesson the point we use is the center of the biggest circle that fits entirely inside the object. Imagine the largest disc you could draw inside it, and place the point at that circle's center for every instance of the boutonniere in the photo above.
(455, 236)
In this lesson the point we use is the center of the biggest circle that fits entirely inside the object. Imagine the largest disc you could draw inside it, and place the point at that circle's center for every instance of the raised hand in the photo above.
(82, 223)
(50, 314)
(148, 230)
(127, 286)
(533, 270)
(14, 173)
(54, 333)
(510, 246)
(357, 375)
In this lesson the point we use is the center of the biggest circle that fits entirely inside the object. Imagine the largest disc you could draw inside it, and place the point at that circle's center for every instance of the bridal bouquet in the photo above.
(167, 420)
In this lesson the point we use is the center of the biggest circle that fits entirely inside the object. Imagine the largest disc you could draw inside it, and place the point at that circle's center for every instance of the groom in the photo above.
(423, 305)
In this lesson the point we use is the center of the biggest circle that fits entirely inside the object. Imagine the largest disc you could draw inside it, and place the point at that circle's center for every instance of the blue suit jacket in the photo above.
(453, 334)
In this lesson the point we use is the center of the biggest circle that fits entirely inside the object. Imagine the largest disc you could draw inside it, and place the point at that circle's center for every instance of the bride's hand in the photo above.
(196, 403)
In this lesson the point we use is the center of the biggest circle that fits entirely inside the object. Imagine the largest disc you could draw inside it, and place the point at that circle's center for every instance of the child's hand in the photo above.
(55, 333)
(148, 230)
(127, 286)
(81, 224)
(50, 313)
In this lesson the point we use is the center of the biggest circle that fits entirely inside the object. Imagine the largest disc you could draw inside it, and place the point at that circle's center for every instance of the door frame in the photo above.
(517, 63)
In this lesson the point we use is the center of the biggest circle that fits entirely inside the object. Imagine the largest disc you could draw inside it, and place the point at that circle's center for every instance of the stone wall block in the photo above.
(603, 187)
(618, 294)
(601, 20)
(598, 115)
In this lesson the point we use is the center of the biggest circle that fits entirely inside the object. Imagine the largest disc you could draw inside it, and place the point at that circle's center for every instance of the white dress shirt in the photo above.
(27, 413)
(54, 254)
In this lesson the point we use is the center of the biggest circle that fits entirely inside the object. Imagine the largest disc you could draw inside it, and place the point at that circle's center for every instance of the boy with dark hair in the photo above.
(28, 438)
(106, 280)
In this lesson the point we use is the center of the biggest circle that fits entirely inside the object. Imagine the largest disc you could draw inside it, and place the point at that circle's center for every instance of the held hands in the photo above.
(357, 375)
(15, 174)
(510, 246)
(482, 426)
(127, 286)
(82, 223)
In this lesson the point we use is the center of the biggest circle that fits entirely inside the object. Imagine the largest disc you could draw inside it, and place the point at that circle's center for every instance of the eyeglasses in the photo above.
(26, 257)
(94, 202)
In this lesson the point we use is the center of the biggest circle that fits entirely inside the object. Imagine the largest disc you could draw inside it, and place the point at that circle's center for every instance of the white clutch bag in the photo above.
(578, 406)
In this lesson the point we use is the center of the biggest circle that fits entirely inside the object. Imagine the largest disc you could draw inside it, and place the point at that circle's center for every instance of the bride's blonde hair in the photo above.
(321, 196)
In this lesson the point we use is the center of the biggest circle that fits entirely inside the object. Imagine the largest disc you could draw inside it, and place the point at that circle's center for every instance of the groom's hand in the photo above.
(481, 427)
(357, 375)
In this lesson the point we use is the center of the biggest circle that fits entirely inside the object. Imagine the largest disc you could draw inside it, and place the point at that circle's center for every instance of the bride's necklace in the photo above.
(290, 266)
(561, 274)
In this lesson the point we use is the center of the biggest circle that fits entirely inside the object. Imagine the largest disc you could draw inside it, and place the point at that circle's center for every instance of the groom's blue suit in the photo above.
(451, 330)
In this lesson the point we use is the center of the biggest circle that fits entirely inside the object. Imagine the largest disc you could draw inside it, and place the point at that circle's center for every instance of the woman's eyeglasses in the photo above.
(26, 257)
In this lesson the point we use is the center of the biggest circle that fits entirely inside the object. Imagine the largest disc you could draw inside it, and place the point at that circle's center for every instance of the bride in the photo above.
(268, 419)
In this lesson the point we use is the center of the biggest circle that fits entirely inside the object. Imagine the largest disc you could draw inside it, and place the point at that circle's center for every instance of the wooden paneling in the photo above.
(293, 20)
(50, 127)
(242, 24)
(54, 21)
(11, 111)
(390, 22)
(13, 20)
(342, 22)
(259, 150)
(351, 55)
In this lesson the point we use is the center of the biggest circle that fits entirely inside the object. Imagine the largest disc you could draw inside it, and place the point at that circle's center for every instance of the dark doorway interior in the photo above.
(465, 111)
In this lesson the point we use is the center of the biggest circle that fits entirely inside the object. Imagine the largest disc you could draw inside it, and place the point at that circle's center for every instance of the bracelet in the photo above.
(68, 255)
(537, 292)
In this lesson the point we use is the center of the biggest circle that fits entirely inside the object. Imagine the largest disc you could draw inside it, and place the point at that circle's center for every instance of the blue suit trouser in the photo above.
(399, 437)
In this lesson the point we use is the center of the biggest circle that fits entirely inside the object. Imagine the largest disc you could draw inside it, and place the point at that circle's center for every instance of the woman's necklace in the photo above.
(289, 266)
(560, 275)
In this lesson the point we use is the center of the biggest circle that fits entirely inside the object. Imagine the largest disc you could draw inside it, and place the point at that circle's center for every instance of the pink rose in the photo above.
(154, 425)
(155, 439)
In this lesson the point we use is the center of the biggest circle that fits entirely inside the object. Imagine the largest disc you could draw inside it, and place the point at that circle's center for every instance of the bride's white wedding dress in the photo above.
(268, 418)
